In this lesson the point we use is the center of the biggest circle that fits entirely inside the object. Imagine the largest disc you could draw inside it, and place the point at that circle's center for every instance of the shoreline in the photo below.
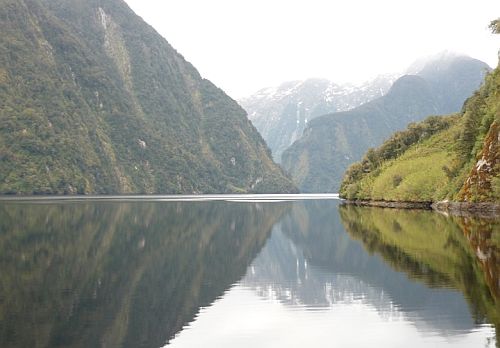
(467, 209)
(392, 204)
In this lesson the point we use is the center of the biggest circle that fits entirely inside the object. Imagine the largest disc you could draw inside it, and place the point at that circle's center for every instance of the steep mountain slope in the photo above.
(332, 142)
(451, 76)
(93, 100)
(281, 114)
(459, 161)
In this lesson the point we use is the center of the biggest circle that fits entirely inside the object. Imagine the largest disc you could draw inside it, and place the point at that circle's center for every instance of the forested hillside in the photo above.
(318, 160)
(455, 158)
(93, 100)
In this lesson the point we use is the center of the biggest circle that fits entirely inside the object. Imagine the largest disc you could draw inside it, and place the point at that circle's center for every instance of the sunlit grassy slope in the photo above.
(415, 176)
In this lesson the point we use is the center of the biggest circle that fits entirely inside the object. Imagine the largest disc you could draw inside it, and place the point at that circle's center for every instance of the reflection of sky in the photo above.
(242, 318)
(285, 301)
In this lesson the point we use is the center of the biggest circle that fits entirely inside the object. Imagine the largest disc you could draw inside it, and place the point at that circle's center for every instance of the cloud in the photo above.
(243, 46)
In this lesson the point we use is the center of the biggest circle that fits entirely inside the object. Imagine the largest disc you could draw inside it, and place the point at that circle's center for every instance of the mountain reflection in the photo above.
(120, 274)
(439, 273)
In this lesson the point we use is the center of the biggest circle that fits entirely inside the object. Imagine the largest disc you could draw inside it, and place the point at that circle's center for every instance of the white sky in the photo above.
(243, 46)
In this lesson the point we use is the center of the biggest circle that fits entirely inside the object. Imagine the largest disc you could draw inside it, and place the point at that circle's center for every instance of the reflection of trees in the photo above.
(440, 251)
(119, 274)
(484, 237)
(310, 260)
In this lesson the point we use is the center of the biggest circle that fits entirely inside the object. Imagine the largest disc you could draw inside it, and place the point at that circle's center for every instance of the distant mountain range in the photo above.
(94, 100)
(282, 113)
(330, 143)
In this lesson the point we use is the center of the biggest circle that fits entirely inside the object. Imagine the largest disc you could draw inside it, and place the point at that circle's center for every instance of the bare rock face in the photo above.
(480, 182)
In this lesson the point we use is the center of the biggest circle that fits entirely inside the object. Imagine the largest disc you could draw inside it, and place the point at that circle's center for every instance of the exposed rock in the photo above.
(468, 209)
(479, 182)
(396, 205)
(142, 143)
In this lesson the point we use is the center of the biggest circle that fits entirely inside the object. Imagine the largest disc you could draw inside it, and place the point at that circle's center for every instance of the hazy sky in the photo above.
(243, 45)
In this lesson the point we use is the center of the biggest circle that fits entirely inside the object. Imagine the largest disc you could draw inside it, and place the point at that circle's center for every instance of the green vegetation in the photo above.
(93, 100)
(396, 169)
(437, 250)
(331, 143)
(455, 157)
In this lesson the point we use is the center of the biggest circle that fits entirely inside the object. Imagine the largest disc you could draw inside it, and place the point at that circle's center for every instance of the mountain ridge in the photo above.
(282, 113)
(96, 101)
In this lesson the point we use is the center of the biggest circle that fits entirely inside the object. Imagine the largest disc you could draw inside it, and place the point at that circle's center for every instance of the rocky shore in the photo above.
(393, 204)
(489, 209)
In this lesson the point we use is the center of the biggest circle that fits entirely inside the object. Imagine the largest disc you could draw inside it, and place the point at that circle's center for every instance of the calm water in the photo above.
(241, 273)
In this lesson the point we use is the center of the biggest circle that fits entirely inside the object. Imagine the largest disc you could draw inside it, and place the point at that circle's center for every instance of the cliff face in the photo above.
(95, 101)
(483, 182)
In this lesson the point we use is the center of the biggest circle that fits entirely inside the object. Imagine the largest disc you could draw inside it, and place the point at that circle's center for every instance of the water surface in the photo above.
(244, 272)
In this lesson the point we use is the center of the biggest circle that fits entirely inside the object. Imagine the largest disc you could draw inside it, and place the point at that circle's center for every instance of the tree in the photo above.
(495, 26)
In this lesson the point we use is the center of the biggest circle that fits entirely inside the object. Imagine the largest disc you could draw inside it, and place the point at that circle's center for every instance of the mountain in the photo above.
(281, 114)
(94, 100)
(330, 143)
(456, 158)
(451, 76)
